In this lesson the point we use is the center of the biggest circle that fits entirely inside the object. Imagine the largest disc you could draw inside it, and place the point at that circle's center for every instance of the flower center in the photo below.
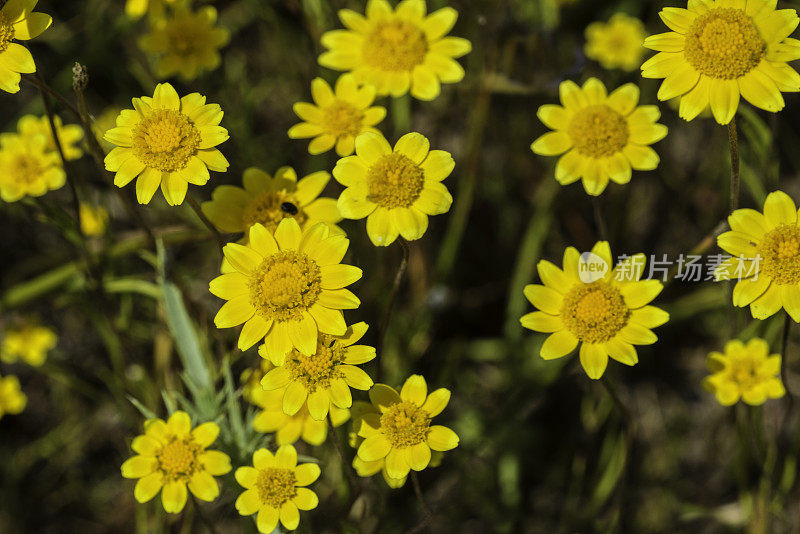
(276, 486)
(285, 285)
(166, 140)
(178, 459)
(394, 181)
(185, 37)
(405, 424)
(598, 131)
(594, 312)
(395, 46)
(6, 33)
(270, 208)
(745, 372)
(724, 43)
(780, 254)
(342, 119)
(25, 169)
(317, 370)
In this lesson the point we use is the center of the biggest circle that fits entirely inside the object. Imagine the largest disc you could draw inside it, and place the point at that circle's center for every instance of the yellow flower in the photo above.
(602, 137)
(766, 250)
(70, 135)
(173, 456)
(607, 315)
(721, 50)
(616, 44)
(275, 488)
(167, 140)
(135, 9)
(396, 189)
(401, 431)
(744, 372)
(12, 399)
(94, 220)
(267, 200)
(287, 288)
(337, 116)
(27, 168)
(29, 343)
(323, 379)
(397, 50)
(186, 43)
(18, 22)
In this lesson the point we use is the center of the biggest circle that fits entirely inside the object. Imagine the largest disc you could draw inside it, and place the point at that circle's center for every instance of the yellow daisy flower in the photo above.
(18, 22)
(267, 200)
(173, 456)
(766, 262)
(324, 378)
(94, 220)
(287, 288)
(337, 116)
(401, 433)
(397, 50)
(616, 44)
(607, 316)
(12, 399)
(29, 343)
(275, 488)
(745, 372)
(70, 135)
(27, 168)
(721, 50)
(169, 141)
(396, 189)
(186, 43)
(602, 137)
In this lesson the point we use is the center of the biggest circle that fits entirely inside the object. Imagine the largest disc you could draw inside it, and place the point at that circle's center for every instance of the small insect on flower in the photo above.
(185, 43)
(337, 116)
(721, 50)
(395, 188)
(323, 379)
(606, 313)
(169, 141)
(12, 399)
(275, 488)
(268, 200)
(616, 44)
(397, 50)
(745, 372)
(30, 343)
(766, 257)
(70, 135)
(602, 137)
(172, 457)
(401, 432)
(18, 22)
(286, 289)
(27, 168)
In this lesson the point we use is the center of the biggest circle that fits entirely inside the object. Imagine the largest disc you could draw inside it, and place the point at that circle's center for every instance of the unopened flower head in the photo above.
(169, 141)
(171, 457)
(396, 189)
(603, 311)
(287, 288)
(275, 488)
(337, 116)
(600, 137)
(744, 371)
(397, 50)
(720, 51)
(94, 220)
(12, 399)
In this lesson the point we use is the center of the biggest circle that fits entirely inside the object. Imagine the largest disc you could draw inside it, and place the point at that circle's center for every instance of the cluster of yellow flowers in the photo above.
(717, 52)
(29, 343)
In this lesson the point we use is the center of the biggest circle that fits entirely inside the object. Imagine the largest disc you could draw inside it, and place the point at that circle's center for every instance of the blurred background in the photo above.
(543, 448)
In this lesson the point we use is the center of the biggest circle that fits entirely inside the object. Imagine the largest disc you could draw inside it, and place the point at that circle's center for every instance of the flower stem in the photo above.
(600, 222)
(420, 497)
(346, 467)
(629, 428)
(203, 519)
(202, 216)
(398, 279)
(733, 139)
